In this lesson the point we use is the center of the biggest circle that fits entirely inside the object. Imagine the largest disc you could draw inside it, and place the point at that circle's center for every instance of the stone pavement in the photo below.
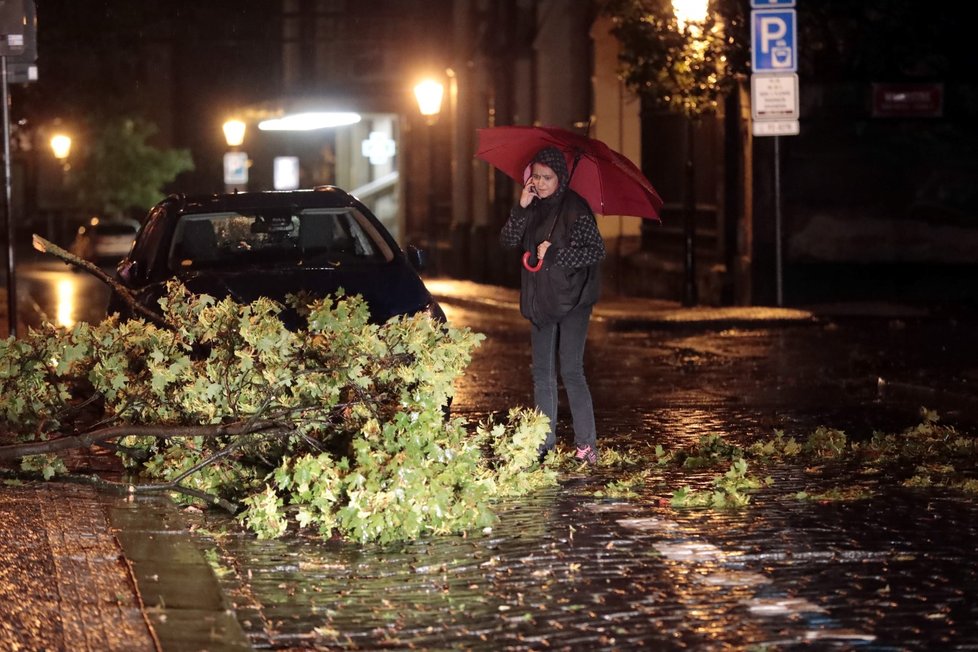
(81, 571)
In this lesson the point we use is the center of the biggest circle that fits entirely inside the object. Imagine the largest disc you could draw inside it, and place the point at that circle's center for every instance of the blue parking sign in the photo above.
(757, 4)
(773, 40)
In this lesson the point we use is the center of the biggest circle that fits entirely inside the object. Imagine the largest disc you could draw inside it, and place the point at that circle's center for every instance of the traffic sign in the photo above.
(235, 168)
(774, 96)
(761, 4)
(13, 24)
(29, 53)
(773, 40)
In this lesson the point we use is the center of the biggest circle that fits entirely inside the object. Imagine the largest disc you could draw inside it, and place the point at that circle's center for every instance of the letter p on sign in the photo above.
(772, 31)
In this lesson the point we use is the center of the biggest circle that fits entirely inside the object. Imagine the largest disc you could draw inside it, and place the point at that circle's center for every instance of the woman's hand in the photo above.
(542, 249)
(529, 194)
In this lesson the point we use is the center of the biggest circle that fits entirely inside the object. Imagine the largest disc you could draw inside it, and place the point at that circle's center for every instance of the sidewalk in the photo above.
(656, 314)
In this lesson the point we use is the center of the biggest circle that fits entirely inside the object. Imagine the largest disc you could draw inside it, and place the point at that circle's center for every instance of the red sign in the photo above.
(908, 100)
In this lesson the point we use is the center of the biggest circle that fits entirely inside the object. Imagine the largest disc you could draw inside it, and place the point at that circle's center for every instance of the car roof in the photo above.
(319, 197)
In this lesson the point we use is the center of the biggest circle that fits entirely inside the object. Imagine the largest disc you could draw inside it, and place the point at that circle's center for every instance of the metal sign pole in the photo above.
(9, 223)
(777, 220)
(774, 94)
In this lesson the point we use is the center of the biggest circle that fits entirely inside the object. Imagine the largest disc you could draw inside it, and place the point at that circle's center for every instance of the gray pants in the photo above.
(564, 341)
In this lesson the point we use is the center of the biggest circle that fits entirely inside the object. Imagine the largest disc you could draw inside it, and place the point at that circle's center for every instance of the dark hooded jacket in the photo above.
(570, 276)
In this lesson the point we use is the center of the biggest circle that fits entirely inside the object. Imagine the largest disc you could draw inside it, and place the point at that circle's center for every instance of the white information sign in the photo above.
(774, 96)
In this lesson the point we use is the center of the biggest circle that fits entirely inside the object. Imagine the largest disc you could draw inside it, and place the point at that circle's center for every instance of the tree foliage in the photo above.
(339, 427)
(683, 70)
(122, 170)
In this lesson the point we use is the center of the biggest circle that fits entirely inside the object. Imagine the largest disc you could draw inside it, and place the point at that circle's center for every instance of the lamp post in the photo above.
(429, 94)
(61, 149)
(690, 15)
(235, 162)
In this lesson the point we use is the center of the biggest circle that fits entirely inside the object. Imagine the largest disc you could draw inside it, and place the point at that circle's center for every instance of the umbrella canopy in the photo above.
(609, 182)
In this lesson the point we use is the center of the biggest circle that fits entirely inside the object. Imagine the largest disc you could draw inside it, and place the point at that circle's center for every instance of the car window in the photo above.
(276, 238)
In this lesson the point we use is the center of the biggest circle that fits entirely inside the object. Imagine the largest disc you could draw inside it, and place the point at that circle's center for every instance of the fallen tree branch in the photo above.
(87, 439)
(122, 488)
(46, 246)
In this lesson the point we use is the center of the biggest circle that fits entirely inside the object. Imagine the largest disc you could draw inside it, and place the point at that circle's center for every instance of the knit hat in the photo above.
(554, 159)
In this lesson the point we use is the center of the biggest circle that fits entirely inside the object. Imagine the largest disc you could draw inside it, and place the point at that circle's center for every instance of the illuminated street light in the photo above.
(429, 94)
(61, 146)
(234, 132)
(690, 13)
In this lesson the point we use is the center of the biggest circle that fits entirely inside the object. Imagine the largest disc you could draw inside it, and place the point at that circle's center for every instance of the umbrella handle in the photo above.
(528, 266)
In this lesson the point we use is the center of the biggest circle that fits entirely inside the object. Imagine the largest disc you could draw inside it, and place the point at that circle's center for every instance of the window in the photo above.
(316, 237)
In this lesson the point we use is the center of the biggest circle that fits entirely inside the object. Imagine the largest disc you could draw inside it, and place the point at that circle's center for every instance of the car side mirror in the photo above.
(417, 258)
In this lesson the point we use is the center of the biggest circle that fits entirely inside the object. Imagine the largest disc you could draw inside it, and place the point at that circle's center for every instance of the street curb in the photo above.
(617, 318)
(718, 324)
(186, 614)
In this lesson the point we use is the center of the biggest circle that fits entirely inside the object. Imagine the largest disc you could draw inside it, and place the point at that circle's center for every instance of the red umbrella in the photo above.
(609, 182)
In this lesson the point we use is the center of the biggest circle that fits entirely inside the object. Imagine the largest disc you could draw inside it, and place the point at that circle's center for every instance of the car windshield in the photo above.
(318, 237)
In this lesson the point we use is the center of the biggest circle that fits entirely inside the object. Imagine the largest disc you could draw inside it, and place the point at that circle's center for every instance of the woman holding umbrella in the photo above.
(559, 286)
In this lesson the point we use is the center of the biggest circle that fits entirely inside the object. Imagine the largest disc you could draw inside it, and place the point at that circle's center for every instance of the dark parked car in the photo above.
(252, 244)
(104, 240)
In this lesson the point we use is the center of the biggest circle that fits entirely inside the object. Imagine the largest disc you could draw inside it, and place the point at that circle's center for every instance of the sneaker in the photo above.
(586, 454)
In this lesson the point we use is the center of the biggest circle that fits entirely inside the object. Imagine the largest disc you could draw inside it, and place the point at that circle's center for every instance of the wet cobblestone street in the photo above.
(567, 569)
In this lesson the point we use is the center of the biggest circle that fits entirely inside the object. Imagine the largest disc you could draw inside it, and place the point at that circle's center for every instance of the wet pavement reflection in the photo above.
(569, 570)
(48, 290)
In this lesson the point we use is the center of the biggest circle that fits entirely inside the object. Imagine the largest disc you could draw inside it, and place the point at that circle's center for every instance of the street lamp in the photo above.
(235, 162)
(61, 147)
(234, 132)
(690, 15)
(429, 94)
